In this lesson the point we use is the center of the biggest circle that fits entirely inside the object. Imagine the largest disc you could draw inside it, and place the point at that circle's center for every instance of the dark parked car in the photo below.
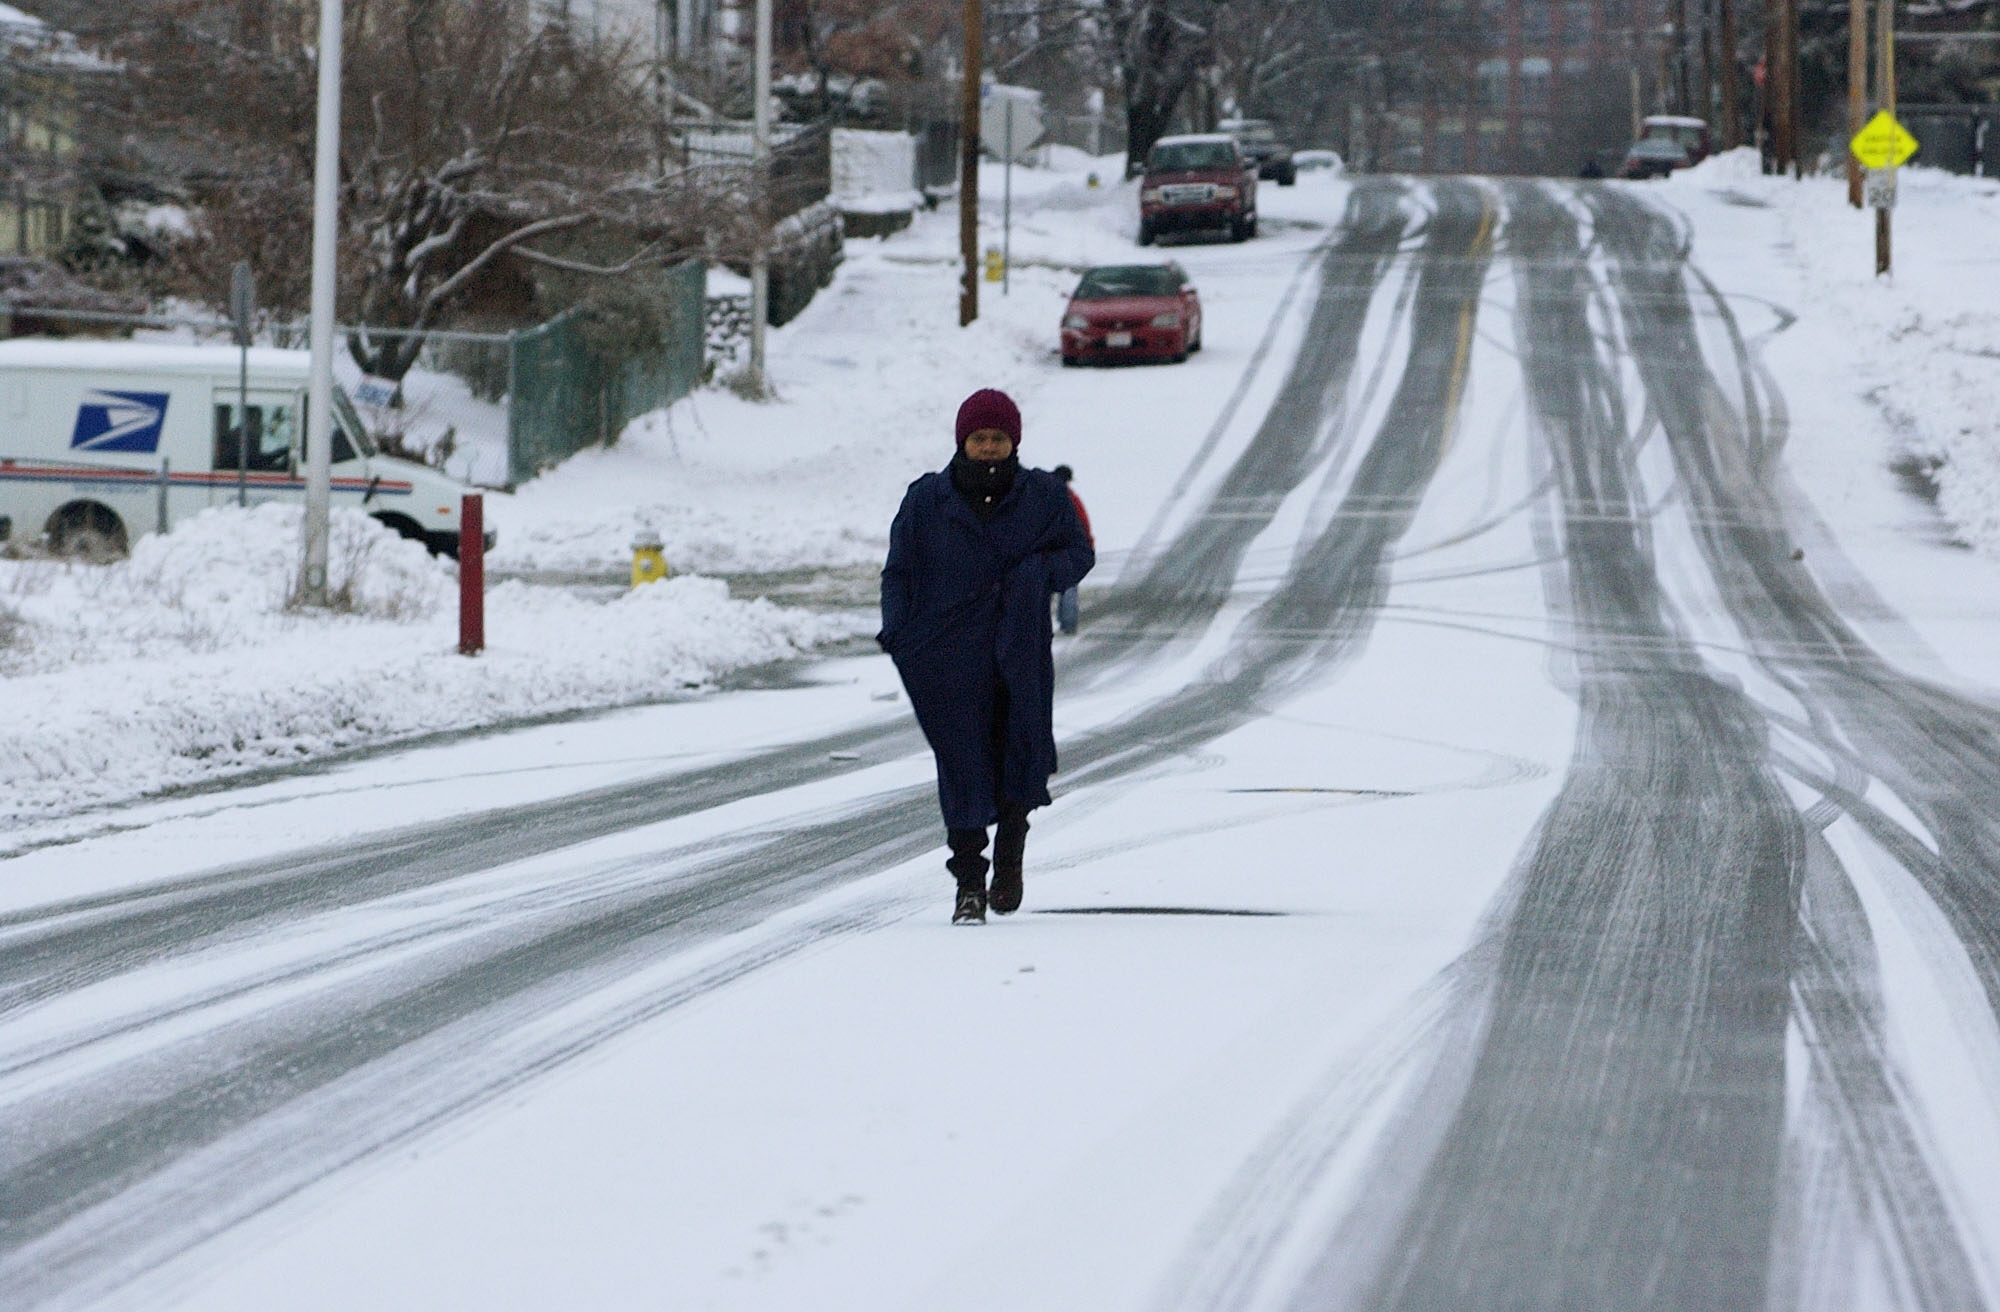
(1197, 182)
(1690, 134)
(1259, 141)
(1653, 157)
(1132, 312)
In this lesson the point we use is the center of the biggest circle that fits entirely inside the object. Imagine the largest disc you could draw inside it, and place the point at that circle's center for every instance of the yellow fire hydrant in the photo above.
(996, 266)
(649, 558)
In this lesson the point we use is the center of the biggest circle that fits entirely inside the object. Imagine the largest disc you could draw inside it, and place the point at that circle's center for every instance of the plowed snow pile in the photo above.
(187, 661)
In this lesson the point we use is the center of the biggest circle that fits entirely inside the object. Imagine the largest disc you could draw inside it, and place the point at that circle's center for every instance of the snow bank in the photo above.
(1925, 342)
(186, 662)
(874, 172)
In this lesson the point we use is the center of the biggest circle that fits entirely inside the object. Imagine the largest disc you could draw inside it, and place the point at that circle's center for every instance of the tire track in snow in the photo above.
(1619, 1136)
(1868, 718)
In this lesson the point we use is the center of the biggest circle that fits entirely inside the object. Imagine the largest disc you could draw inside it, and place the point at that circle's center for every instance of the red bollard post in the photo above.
(471, 574)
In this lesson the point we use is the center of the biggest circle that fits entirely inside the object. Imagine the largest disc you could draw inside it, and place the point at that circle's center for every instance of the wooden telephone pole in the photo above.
(1885, 95)
(968, 165)
(1857, 89)
(1732, 109)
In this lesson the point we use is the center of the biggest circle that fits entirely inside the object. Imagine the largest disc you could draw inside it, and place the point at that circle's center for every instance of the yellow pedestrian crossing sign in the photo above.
(1883, 143)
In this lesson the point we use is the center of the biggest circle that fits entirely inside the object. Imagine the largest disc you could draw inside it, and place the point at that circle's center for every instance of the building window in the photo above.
(1535, 20)
(1576, 23)
(1535, 139)
(1493, 21)
(1534, 83)
(1493, 77)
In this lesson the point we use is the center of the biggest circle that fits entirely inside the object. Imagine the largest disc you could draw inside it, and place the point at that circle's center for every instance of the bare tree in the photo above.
(472, 144)
(836, 39)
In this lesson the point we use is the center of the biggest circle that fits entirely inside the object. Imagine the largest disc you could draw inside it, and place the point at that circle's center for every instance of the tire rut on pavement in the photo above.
(1937, 751)
(1618, 1141)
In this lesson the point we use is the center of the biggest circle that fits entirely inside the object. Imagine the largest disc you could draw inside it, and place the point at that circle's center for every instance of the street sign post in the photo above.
(1878, 190)
(1882, 146)
(1009, 126)
(996, 110)
(1883, 143)
(242, 328)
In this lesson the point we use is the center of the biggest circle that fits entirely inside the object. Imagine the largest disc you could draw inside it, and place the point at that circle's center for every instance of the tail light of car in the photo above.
(1225, 193)
(1167, 320)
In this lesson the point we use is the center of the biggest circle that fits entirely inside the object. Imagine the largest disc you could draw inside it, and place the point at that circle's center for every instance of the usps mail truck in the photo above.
(101, 442)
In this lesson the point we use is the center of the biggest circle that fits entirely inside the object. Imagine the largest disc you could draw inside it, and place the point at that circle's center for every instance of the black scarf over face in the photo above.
(984, 484)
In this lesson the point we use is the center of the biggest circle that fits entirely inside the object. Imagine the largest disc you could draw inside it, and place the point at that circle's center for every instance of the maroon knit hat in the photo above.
(989, 408)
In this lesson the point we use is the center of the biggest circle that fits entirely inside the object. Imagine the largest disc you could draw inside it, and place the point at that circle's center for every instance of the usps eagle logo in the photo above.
(119, 421)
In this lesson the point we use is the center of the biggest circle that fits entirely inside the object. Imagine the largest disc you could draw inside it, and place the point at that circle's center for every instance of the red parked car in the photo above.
(1132, 312)
(1198, 182)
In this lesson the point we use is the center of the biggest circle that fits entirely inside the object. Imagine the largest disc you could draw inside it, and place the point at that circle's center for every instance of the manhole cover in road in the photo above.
(1153, 911)
(1344, 792)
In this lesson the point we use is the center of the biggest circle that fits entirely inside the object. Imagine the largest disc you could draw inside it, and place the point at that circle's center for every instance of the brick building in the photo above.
(1520, 86)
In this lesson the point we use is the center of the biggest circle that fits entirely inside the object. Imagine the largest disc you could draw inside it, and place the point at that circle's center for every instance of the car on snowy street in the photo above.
(1690, 134)
(1199, 182)
(1261, 146)
(1131, 312)
(1653, 157)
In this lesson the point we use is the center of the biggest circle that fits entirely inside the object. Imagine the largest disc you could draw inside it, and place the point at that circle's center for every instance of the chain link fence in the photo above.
(490, 407)
(566, 391)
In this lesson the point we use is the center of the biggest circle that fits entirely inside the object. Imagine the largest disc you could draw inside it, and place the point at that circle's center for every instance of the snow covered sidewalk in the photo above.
(1919, 350)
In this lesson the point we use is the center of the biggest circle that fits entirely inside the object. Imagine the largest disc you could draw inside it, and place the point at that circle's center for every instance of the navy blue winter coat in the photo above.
(965, 608)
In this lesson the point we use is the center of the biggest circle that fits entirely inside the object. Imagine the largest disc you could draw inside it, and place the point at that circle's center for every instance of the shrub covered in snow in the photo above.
(223, 579)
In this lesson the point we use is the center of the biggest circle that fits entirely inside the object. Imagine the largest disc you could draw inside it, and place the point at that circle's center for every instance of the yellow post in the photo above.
(649, 558)
(996, 264)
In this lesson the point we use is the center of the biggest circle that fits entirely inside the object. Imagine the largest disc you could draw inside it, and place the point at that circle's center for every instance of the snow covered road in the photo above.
(1490, 870)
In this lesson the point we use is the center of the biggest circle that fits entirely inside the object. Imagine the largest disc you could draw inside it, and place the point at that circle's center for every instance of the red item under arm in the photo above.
(1083, 515)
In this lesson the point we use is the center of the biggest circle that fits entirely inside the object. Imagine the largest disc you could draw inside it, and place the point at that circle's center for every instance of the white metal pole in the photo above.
(319, 398)
(760, 255)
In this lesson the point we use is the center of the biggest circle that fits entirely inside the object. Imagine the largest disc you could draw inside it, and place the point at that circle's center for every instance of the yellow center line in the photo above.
(1466, 315)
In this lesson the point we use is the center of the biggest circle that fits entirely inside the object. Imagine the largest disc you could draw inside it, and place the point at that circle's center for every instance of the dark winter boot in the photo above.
(1010, 845)
(968, 866)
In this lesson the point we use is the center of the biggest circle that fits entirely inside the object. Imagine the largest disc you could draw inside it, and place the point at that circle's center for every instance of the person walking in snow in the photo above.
(1066, 602)
(975, 553)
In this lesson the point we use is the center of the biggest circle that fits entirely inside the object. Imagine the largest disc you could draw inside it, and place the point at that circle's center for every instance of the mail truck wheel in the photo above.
(88, 531)
(403, 525)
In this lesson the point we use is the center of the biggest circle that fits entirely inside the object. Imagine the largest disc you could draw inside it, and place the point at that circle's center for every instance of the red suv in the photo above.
(1197, 182)
(1132, 312)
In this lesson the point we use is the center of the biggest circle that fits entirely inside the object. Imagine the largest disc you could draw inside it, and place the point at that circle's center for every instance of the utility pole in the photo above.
(1677, 13)
(1732, 113)
(1857, 89)
(1792, 89)
(760, 252)
(1781, 50)
(968, 165)
(1708, 97)
(325, 243)
(1885, 94)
